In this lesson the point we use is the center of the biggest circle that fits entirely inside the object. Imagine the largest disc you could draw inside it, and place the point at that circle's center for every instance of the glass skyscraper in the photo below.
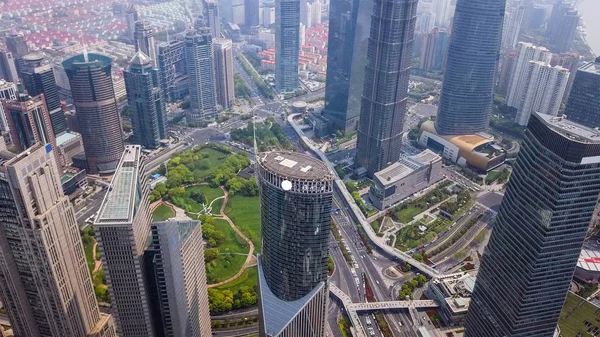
(201, 76)
(583, 105)
(385, 88)
(527, 266)
(287, 44)
(468, 90)
(349, 29)
(296, 193)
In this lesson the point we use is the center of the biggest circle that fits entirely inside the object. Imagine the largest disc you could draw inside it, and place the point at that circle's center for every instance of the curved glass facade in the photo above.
(468, 90)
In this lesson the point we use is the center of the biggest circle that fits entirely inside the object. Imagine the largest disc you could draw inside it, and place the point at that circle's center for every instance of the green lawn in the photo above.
(406, 215)
(226, 265)
(209, 192)
(162, 213)
(89, 258)
(245, 214)
(216, 206)
(573, 324)
(249, 278)
(215, 158)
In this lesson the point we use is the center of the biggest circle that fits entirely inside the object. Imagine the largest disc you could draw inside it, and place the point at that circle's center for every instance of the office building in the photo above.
(45, 283)
(305, 13)
(583, 105)
(349, 29)
(251, 8)
(8, 91)
(38, 78)
(122, 230)
(212, 18)
(385, 93)
(144, 40)
(8, 67)
(507, 68)
(440, 52)
(425, 22)
(172, 70)
(145, 99)
(97, 113)
(315, 12)
(131, 17)
(68, 145)
(224, 72)
(443, 12)
(544, 92)
(16, 44)
(287, 44)
(268, 16)
(238, 13)
(29, 123)
(201, 76)
(528, 264)
(517, 88)
(562, 27)
(429, 50)
(467, 94)
(296, 192)
(513, 18)
(175, 260)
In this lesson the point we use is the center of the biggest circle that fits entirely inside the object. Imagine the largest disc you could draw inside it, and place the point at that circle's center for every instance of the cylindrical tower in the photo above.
(97, 114)
(296, 193)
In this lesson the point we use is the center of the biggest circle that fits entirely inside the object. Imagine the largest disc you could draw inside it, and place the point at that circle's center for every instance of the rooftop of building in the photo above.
(65, 137)
(119, 203)
(463, 142)
(295, 165)
(80, 59)
(591, 67)
(406, 166)
(570, 129)
(589, 259)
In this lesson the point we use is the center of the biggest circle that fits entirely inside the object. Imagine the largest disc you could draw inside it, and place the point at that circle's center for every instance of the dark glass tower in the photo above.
(96, 107)
(562, 27)
(296, 193)
(385, 91)
(251, 8)
(583, 105)
(528, 264)
(287, 44)
(145, 99)
(468, 90)
(349, 29)
(199, 56)
(39, 79)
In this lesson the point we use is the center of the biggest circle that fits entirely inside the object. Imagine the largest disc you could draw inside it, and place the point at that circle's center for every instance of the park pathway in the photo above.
(97, 263)
(250, 260)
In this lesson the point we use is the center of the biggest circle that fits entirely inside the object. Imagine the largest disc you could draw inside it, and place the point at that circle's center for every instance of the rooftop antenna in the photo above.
(85, 52)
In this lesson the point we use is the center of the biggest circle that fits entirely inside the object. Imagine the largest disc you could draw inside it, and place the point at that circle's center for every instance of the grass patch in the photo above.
(574, 314)
(243, 211)
(161, 213)
(232, 254)
(210, 163)
(411, 236)
(408, 214)
(376, 225)
(249, 278)
(209, 192)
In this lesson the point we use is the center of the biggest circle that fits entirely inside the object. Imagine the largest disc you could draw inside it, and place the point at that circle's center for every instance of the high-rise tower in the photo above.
(16, 44)
(385, 91)
(529, 262)
(296, 193)
(38, 79)
(562, 26)
(201, 75)
(172, 69)
(224, 72)
(8, 67)
(517, 88)
(122, 230)
(145, 98)
(144, 39)
(287, 44)
(468, 91)
(96, 107)
(583, 105)
(251, 8)
(213, 18)
(45, 283)
(131, 18)
(349, 29)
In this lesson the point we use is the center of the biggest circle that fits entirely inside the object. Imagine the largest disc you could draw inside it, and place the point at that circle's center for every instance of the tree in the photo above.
(220, 301)
(351, 186)
(211, 254)
(421, 279)
(198, 197)
(177, 192)
(418, 257)
(233, 185)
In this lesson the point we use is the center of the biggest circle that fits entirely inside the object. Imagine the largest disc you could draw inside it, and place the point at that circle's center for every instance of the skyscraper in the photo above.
(16, 44)
(349, 29)
(528, 264)
(145, 99)
(385, 91)
(440, 52)
(144, 39)
(213, 18)
(544, 91)
(562, 27)
(201, 74)
(97, 114)
(224, 72)
(122, 230)
(172, 70)
(468, 90)
(296, 193)
(38, 79)
(583, 105)
(513, 19)
(131, 18)
(428, 53)
(45, 283)
(8, 67)
(251, 8)
(425, 22)
(176, 260)
(287, 44)
(517, 88)
(8, 91)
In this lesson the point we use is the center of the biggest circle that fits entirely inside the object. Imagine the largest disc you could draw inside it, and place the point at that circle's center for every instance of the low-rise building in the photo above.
(588, 265)
(409, 175)
(477, 151)
(453, 293)
(69, 144)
